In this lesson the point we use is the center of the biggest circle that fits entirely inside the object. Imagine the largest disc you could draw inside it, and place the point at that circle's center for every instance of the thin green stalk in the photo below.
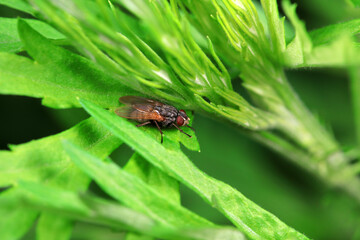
(354, 73)
(314, 148)
(297, 155)
(342, 177)
(305, 128)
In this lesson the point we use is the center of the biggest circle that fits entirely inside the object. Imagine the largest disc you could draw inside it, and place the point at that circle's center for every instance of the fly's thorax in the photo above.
(166, 111)
(168, 122)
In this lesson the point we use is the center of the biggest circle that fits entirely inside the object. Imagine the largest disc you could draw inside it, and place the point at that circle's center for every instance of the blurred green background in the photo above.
(293, 195)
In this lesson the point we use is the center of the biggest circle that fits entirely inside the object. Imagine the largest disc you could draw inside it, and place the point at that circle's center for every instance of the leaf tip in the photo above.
(23, 27)
(21, 22)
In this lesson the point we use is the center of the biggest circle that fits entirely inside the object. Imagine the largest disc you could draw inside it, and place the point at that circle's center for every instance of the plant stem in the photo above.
(311, 146)
(342, 178)
(354, 73)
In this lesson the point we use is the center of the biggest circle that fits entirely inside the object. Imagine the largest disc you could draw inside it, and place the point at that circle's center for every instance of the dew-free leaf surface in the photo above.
(252, 220)
(19, 5)
(10, 40)
(354, 74)
(91, 209)
(153, 176)
(57, 76)
(15, 220)
(134, 192)
(328, 46)
(275, 25)
(329, 33)
(45, 160)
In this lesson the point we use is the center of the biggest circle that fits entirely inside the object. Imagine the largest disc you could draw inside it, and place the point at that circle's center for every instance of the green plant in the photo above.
(180, 52)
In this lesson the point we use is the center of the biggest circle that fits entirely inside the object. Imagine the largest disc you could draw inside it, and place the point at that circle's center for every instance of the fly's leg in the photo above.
(181, 130)
(143, 124)
(190, 127)
(156, 123)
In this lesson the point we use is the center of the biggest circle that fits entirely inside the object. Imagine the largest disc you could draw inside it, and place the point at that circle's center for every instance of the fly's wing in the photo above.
(132, 113)
(140, 103)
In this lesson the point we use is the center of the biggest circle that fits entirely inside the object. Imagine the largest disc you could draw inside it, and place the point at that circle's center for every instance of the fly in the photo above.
(148, 111)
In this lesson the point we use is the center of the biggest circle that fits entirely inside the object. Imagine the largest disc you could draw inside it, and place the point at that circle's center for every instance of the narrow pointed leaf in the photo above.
(153, 176)
(51, 226)
(10, 40)
(354, 73)
(301, 45)
(57, 76)
(132, 191)
(107, 213)
(328, 46)
(20, 5)
(329, 33)
(251, 219)
(44, 160)
(15, 220)
(275, 25)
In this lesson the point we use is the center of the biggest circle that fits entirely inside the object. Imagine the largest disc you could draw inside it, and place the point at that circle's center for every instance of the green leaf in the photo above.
(328, 46)
(100, 34)
(157, 179)
(131, 236)
(44, 160)
(252, 220)
(51, 226)
(106, 213)
(58, 76)
(133, 192)
(301, 45)
(15, 220)
(354, 73)
(57, 86)
(20, 5)
(356, 3)
(10, 39)
(341, 52)
(68, 204)
(329, 33)
(163, 183)
(275, 25)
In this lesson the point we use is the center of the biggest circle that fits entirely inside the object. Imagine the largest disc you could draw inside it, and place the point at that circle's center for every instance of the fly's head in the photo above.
(182, 119)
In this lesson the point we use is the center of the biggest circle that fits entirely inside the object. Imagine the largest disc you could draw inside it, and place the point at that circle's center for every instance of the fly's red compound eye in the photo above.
(180, 121)
(182, 111)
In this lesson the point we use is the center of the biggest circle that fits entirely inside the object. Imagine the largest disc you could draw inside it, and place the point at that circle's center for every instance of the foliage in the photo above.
(86, 54)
